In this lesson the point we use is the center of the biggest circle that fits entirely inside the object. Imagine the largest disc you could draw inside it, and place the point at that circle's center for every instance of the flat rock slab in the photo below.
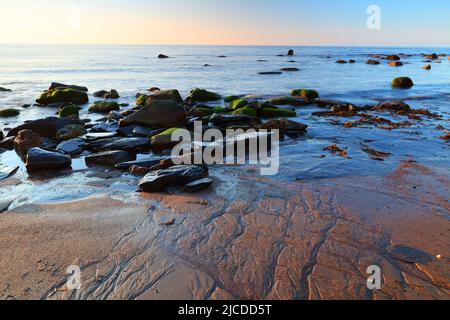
(39, 159)
(158, 181)
(410, 255)
(72, 147)
(109, 158)
(198, 185)
(147, 163)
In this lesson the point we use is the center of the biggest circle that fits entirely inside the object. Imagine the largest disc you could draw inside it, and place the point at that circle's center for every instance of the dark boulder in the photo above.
(40, 160)
(71, 147)
(109, 158)
(290, 52)
(46, 128)
(55, 85)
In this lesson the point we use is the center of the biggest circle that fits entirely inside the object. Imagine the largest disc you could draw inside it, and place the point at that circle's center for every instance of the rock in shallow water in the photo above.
(71, 147)
(109, 158)
(158, 181)
(40, 160)
(198, 185)
(60, 95)
(46, 128)
(25, 140)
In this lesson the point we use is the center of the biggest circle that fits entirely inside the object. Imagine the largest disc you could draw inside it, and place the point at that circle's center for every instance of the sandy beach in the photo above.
(251, 238)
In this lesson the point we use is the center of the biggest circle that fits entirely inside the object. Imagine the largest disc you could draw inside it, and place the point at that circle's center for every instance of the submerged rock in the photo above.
(395, 105)
(288, 127)
(305, 93)
(402, 83)
(372, 62)
(269, 73)
(26, 140)
(158, 181)
(5, 90)
(158, 114)
(70, 132)
(104, 107)
(198, 185)
(46, 128)
(9, 113)
(60, 95)
(275, 113)
(39, 160)
(226, 120)
(201, 95)
(109, 158)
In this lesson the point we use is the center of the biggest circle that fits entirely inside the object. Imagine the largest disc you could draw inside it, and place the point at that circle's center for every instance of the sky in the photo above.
(225, 22)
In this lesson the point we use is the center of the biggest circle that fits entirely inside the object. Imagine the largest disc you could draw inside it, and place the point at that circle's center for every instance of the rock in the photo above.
(154, 89)
(372, 62)
(162, 56)
(7, 143)
(305, 93)
(5, 90)
(275, 113)
(238, 103)
(226, 120)
(158, 181)
(55, 85)
(288, 127)
(351, 61)
(410, 255)
(71, 147)
(46, 128)
(230, 98)
(290, 69)
(99, 135)
(63, 95)
(247, 111)
(269, 73)
(104, 107)
(433, 56)
(198, 185)
(201, 95)
(68, 111)
(141, 99)
(6, 172)
(395, 105)
(402, 83)
(26, 140)
(171, 94)
(427, 67)
(289, 101)
(2, 136)
(139, 171)
(126, 144)
(39, 159)
(9, 113)
(158, 114)
(70, 132)
(4, 205)
(164, 140)
(141, 131)
(109, 158)
(112, 94)
(150, 162)
(290, 53)
(393, 57)
(341, 62)
(396, 64)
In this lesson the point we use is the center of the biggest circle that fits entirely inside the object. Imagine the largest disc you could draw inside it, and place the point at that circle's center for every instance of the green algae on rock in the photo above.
(238, 103)
(247, 111)
(60, 95)
(69, 110)
(201, 95)
(402, 83)
(8, 113)
(305, 93)
(275, 113)
(104, 107)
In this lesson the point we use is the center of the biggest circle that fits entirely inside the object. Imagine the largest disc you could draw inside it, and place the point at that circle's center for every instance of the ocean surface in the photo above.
(28, 70)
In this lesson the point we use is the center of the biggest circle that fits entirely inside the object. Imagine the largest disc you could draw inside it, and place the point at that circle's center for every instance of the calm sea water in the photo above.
(28, 70)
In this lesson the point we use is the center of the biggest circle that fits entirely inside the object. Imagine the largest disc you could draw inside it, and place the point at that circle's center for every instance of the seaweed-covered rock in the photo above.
(158, 181)
(46, 128)
(104, 107)
(402, 83)
(26, 140)
(55, 85)
(289, 101)
(39, 159)
(201, 95)
(164, 140)
(238, 103)
(226, 120)
(9, 113)
(109, 158)
(70, 132)
(305, 93)
(141, 99)
(246, 111)
(275, 113)
(230, 98)
(158, 114)
(69, 110)
(60, 95)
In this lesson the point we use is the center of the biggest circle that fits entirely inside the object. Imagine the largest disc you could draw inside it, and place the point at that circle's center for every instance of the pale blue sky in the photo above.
(290, 22)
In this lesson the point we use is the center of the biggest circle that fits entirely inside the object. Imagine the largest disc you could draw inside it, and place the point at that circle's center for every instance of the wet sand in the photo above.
(248, 238)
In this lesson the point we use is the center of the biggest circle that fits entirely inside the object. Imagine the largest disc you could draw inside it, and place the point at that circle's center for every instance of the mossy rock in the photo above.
(305, 93)
(238, 104)
(70, 110)
(402, 83)
(230, 98)
(164, 139)
(219, 109)
(60, 95)
(275, 113)
(288, 101)
(202, 95)
(104, 107)
(8, 113)
(247, 111)
(70, 132)
(141, 100)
